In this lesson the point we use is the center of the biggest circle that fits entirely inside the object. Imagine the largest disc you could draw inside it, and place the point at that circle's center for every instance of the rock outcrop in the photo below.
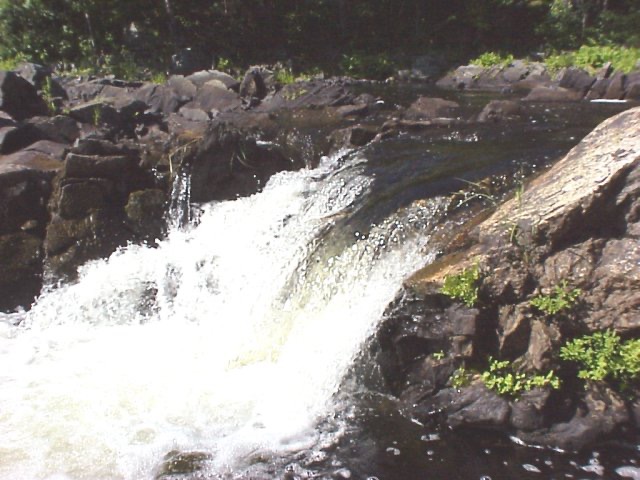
(574, 226)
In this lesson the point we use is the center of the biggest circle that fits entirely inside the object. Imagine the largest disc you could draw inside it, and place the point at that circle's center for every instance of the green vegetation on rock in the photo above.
(593, 57)
(604, 356)
(492, 59)
(504, 380)
(463, 286)
(561, 299)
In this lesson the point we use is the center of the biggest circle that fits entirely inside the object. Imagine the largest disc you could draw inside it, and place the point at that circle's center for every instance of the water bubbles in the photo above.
(629, 472)
(394, 451)
(531, 468)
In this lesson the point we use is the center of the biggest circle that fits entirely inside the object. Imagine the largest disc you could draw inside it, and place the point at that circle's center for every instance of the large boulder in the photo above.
(576, 223)
(19, 98)
(427, 108)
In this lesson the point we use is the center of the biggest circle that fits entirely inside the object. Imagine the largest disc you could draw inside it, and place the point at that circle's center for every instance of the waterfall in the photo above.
(229, 337)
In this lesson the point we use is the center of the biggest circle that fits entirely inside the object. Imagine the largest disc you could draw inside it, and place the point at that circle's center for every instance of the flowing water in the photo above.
(231, 343)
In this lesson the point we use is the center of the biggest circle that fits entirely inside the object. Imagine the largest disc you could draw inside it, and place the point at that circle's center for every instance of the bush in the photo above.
(603, 356)
(492, 59)
(594, 57)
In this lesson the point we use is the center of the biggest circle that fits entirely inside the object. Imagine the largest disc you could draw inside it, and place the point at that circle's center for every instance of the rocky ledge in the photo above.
(570, 236)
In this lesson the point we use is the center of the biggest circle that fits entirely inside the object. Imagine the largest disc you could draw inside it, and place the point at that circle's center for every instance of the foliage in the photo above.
(493, 59)
(376, 67)
(224, 64)
(501, 378)
(561, 299)
(604, 356)
(438, 355)
(285, 76)
(460, 378)
(47, 96)
(158, 78)
(463, 286)
(594, 57)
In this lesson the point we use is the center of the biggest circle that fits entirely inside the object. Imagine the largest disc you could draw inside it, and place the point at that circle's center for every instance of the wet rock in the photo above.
(495, 78)
(426, 108)
(19, 98)
(553, 94)
(14, 138)
(194, 114)
(352, 110)
(475, 406)
(314, 94)
(225, 164)
(183, 87)
(500, 110)
(632, 86)
(57, 151)
(145, 209)
(161, 98)
(356, 136)
(20, 269)
(602, 412)
(528, 411)
(78, 198)
(211, 97)
(515, 328)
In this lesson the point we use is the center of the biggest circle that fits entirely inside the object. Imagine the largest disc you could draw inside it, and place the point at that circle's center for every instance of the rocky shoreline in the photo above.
(88, 165)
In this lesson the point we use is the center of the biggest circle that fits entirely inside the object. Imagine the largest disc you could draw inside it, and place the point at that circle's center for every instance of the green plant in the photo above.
(604, 356)
(438, 355)
(561, 299)
(460, 378)
(97, 116)
(285, 76)
(593, 57)
(47, 95)
(504, 380)
(159, 78)
(224, 64)
(492, 59)
(463, 286)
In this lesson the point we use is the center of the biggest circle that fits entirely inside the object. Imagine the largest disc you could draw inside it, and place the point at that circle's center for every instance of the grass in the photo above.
(493, 59)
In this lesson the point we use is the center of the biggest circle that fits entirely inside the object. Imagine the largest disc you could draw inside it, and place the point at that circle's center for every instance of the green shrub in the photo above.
(493, 59)
(593, 57)
(603, 356)
(561, 299)
(461, 378)
(463, 286)
(501, 378)
(285, 76)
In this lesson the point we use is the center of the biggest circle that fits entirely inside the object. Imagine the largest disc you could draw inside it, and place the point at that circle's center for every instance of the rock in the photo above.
(20, 270)
(426, 108)
(598, 89)
(145, 209)
(356, 136)
(352, 110)
(313, 94)
(194, 114)
(253, 84)
(475, 406)
(496, 78)
(189, 60)
(553, 94)
(632, 86)
(211, 97)
(601, 413)
(19, 98)
(78, 198)
(528, 411)
(160, 98)
(576, 79)
(500, 110)
(202, 77)
(183, 87)
(57, 151)
(16, 138)
(60, 129)
(225, 164)
(615, 89)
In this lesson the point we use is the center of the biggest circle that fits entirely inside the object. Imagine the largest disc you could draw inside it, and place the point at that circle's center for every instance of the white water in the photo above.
(229, 338)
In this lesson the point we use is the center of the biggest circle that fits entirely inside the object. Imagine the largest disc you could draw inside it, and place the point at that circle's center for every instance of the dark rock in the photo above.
(426, 108)
(632, 86)
(356, 136)
(84, 91)
(60, 129)
(575, 79)
(20, 270)
(500, 110)
(183, 87)
(78, 199)
(210, 97)
(497, 78)
(352, 110)
(227, 164)
(145, 209)
(57, 151)
(194, 114)
(475, 406)
(91, 166)
(515, 327)
(19, 98)
(528, 411)
(253, 84)
(601, 413)
(553, 94)
(314, 94)
(615, 89)
(15, 138)
(160, 98)
(6, 120)
(598, 89)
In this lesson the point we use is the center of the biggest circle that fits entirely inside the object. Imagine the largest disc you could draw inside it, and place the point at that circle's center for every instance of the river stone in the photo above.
(88, 166)
(77, 199)
(202, 77)
(615, 89)
(553, 94)
(60, 129)
(145, 209)
(211, 97)
(14, 138)
(426, 108)
(576, 79)
(500, 110)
